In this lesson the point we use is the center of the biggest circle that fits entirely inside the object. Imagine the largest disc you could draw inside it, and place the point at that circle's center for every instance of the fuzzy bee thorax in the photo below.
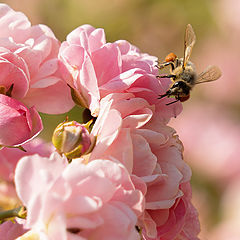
(187, 74)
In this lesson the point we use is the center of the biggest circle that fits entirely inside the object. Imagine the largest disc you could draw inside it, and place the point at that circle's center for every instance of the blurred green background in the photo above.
(157, 28)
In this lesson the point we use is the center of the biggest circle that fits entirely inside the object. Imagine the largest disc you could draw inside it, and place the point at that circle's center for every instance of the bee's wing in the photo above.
(189, 41)
(211, 73)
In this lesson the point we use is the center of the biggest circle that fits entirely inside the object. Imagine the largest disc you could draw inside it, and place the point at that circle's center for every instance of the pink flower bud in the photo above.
(72, 139)
(18, 124)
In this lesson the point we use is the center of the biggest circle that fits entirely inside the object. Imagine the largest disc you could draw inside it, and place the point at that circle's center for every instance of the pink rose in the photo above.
(78, 201)
(18, 124)
(129, 129)
(94, 69)
(28, 63)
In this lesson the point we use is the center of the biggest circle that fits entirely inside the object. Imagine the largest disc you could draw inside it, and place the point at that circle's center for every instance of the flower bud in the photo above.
(18, 124)
(72, 139)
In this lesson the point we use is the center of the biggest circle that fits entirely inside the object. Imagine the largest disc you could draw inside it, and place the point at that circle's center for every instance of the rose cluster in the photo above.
(119, 176)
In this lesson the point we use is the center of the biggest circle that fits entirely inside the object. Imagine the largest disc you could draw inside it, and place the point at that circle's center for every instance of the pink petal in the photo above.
(107, 63)
(31, 58)
(14, 71)
(108, 134)
(119, 224)
(89, 221)
(122, 149)
(54, 99)
(32, 183)
(73, 55)
(138, 119)
(96, 39)
(79, 36)
(36, 122)
(45, 43)
(16, 122)
(47, 68)
(10, 156)
(121, 82)
(10, 230)
(81, 205)
(144, 160)
(17, 22)
(88, 85)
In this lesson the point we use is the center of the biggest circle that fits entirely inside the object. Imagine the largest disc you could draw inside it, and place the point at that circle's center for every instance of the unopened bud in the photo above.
(72, 139)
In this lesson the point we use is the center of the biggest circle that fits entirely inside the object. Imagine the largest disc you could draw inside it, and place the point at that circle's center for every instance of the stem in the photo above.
(19, 147)
(19, 212)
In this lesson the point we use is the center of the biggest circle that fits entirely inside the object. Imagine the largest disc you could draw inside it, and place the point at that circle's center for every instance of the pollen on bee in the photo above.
(170, 57)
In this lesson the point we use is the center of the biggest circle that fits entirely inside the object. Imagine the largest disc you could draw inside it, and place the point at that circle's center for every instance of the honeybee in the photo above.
(183, 73)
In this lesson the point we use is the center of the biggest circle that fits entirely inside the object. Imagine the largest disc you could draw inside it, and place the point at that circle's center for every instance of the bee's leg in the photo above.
(172, 102)
(177, 99)
(177, 62)
(167, 76)
(164, 64)
(163, 95)
(172, 66)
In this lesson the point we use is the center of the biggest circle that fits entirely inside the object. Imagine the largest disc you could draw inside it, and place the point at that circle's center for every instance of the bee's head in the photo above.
(179, 88)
